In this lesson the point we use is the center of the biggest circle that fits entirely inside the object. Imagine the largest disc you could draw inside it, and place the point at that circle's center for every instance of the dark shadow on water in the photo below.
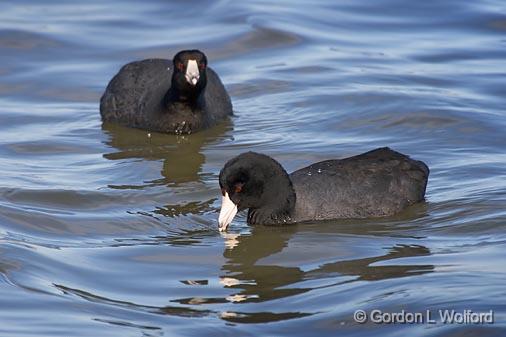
(194, 207)
(130, 325)
(173, 311)
(363, 269)
(179, 311)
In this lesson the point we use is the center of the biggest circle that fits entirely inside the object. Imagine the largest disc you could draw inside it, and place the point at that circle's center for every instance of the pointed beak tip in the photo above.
(194, 81)
(223, 223)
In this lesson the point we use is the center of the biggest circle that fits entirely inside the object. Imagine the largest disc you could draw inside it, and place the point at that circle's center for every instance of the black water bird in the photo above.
(377, 183)
(179, 96)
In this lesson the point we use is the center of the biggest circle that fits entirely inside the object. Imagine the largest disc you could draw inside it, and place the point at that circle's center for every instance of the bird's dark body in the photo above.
(139, 96)
(378, 183)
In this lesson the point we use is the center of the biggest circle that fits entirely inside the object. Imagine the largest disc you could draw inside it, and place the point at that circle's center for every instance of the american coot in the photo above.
(377, 183)
(179, 96)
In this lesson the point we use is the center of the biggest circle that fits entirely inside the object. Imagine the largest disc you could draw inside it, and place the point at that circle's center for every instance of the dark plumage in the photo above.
(179, 96)
(377, 183)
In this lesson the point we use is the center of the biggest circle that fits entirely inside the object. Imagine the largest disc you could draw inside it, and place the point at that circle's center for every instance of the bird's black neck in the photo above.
(280, 205)
(182, 92)
(192, 98)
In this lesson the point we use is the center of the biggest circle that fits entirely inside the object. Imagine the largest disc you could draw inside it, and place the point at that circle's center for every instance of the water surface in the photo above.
(107, 232)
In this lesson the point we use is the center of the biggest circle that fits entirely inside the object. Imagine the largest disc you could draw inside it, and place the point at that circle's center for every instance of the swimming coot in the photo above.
(377, 183)
(179, 96)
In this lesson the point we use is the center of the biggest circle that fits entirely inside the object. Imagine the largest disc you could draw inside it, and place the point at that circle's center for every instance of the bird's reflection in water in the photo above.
(267, 282)
(181, 155)
(182, 159)
(257, 282)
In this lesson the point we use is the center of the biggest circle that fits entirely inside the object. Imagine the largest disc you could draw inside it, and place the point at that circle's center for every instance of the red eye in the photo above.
(180, 66)
(202, 66)
(238, 187)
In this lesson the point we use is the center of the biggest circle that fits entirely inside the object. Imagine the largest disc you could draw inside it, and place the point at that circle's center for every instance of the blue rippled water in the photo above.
(106, 232)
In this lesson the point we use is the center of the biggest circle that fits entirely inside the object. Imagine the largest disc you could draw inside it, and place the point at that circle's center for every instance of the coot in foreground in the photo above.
(377, 183)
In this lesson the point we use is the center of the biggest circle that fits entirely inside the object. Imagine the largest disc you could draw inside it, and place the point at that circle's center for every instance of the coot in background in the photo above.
(179, 96)
(377, 183)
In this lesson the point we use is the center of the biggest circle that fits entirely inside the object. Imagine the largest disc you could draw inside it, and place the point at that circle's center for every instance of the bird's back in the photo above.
(135, 92)
(381, 182)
